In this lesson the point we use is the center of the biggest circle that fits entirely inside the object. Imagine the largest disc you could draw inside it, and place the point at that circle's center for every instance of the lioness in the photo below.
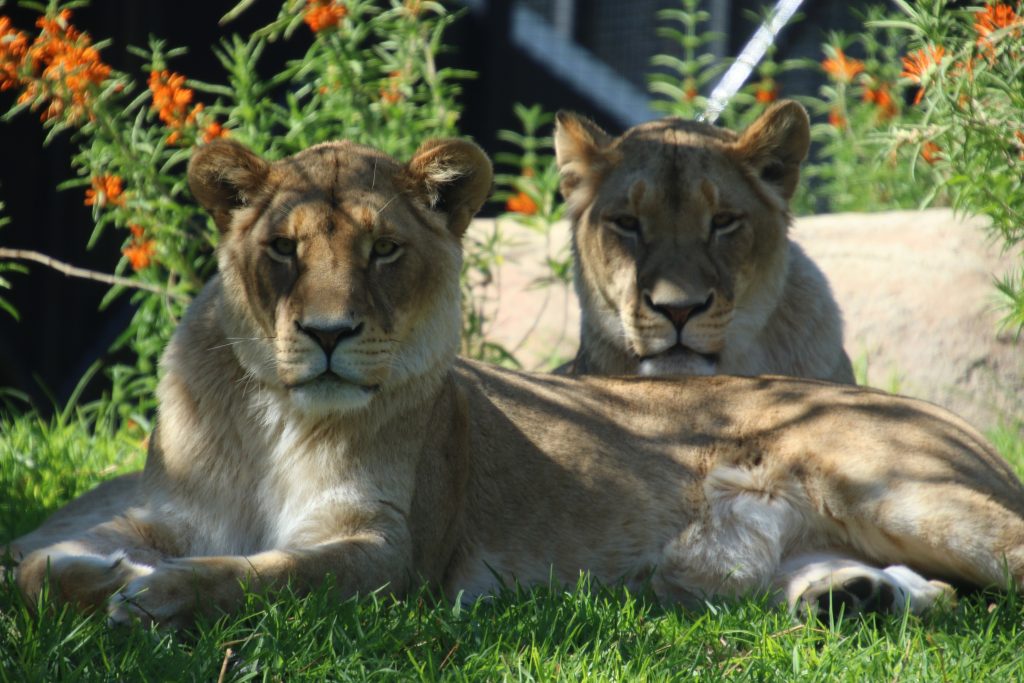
(682, 261)
(315, 421)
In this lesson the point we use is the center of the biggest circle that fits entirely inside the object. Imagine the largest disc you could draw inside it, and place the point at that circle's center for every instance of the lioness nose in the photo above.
(329, 337)
(679, 313)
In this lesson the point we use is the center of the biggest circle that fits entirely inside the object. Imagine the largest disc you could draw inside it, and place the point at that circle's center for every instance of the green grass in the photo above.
(589, 633)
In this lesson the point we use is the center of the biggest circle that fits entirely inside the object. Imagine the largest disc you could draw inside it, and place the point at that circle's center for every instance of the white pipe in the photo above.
(748, 59)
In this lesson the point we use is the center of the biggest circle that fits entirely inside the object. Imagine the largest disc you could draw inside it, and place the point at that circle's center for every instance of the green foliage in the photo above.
(684, 82)
(1008, 439)
(530, 193)
(856, 164)
(8, 267)
(527, 185)
(969, 66)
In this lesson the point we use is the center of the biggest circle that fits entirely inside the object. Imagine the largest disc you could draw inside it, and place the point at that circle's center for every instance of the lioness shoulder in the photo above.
(683, 264)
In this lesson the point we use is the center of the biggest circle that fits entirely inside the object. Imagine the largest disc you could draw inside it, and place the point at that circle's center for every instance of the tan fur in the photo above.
(407, 465)
(747, 300)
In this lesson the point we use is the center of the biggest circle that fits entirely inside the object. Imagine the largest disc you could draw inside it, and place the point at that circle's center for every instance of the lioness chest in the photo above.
(256, 478)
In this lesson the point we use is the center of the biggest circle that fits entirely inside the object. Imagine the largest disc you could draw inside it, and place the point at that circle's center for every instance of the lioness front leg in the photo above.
(86, 571)
(178, 591)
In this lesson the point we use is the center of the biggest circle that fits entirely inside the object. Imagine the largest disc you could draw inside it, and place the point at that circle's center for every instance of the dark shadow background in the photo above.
(62, 332)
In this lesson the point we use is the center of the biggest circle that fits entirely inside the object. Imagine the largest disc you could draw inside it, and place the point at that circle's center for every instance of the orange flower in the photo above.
(63, 69)
(836, 119)
(140, 254)
(1020, 143)
(994, 18)
(767, 91)
(690, 91)
(323, 14)
(882, 98)
(13, 48)
(392, 94)
(930, 152)
(213, 131)
(521, 203)
(171, 101)
(841, 68)
(106, 189)
(918, 65)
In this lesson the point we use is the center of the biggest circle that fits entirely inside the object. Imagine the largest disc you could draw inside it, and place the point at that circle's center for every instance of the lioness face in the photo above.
(340, 264)
(679, 230)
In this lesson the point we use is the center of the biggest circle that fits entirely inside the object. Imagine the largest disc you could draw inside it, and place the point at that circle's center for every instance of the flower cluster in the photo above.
(391, 93)
(767, 91)
(992, 19)
(841, 68)
(60, 70)
(521, 202)
(106, 190)
(13, 48)
(323, 14)
(845, 71)
(879, 94)
(139, 251)
(919, 67)
(172, 102)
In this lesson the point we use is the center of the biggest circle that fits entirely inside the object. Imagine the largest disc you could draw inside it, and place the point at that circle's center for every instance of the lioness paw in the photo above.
(177, 592)
(865, 590)
(168, 596)
(85, 580)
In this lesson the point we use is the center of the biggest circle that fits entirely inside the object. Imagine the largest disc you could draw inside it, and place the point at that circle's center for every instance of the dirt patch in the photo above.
(916, 290)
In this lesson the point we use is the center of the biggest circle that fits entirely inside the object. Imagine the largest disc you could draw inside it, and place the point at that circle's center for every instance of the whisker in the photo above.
(238, 340)
(388, 202)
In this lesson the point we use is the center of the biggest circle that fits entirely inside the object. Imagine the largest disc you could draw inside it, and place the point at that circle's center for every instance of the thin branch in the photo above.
(74, 271)
(228, 653)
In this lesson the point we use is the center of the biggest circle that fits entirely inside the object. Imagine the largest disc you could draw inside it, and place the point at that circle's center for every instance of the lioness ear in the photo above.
(579, 143)
(224, 175)
(454, 176)
(776, 143)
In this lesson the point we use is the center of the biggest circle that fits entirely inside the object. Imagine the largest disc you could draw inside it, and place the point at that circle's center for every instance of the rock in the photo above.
(920, 305)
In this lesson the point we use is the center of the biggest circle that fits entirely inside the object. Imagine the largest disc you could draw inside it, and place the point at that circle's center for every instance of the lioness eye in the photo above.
(629, 225)
(283, 247)
(722, 220)
(384, 248)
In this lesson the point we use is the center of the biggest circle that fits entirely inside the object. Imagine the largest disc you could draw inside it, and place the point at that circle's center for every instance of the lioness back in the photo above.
(683, 264)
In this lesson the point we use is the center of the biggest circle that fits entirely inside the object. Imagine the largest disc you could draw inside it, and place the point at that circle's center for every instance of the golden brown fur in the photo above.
(682, 261)
(314, 421)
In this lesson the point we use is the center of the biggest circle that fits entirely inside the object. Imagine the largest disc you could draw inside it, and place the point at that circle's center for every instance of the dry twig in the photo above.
(74, 271)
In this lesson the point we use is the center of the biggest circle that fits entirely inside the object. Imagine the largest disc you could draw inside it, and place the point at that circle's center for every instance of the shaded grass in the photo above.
(588, 634)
